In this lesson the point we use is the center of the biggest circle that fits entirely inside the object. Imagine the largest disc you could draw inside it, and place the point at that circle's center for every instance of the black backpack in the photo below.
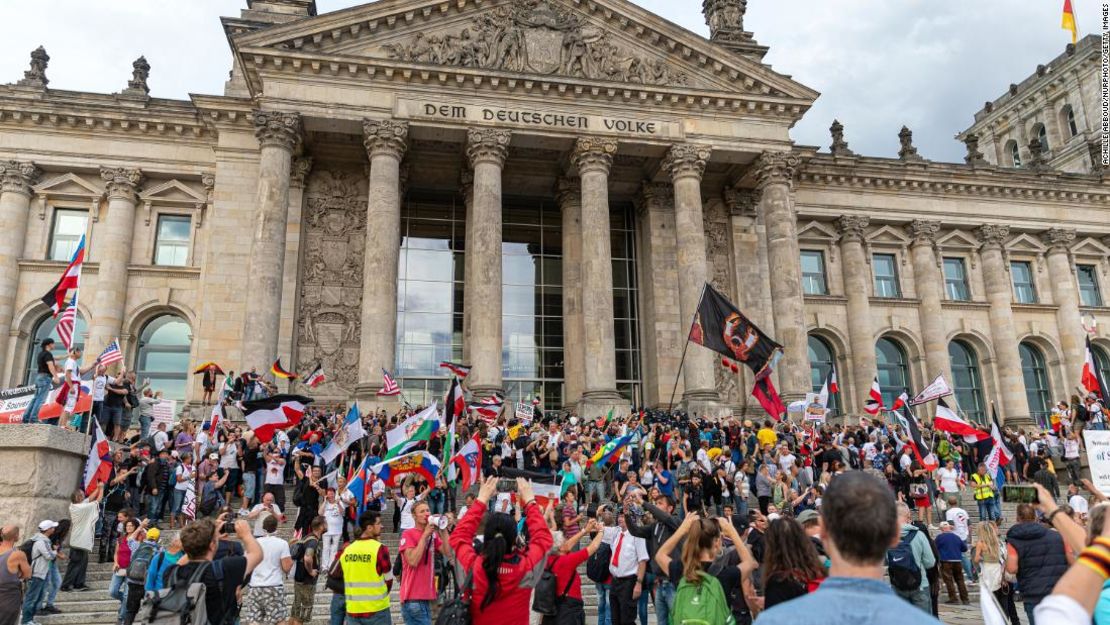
(597, 566)
(180, 602)
(545, 601)
(140, 563)
(28, 547)
(905, 575)
(456, 603)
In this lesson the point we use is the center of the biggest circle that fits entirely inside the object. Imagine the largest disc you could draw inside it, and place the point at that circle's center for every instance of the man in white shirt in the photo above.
(83, 513)
(958, 518)
(786, 459)
(628, 566)
(1077, 502)
(261, 512)
(264, 600)
(161, 438)
(72, 373)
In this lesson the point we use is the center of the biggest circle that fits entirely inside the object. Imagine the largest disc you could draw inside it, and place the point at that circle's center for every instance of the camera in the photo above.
(228, 528)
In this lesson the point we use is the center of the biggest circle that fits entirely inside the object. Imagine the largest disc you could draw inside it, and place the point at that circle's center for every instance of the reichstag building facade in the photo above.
(539, 188)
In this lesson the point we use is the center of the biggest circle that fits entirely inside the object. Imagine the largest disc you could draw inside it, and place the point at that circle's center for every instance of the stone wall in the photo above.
(42, 465)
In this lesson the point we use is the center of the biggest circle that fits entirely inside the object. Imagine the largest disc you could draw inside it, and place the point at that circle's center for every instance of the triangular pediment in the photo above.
(1025, 242)
(1089, 246)
(591, 41)
(68, 185)
(958, 240)
(172, 192)
(817, 231)
(888, 235)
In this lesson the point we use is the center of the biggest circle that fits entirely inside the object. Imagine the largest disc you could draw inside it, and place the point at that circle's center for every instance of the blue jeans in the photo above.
(664, 601)
(144, 426)
(1029, 607)
(381, 618)
(416, 612)
(339, 609)
(603, 614)
(988, 509)
(596, 488)
(33, 597)
(436, 499)
(43, 384)
(919, 598)
(154, 506)
(642, 602)
(53, 582)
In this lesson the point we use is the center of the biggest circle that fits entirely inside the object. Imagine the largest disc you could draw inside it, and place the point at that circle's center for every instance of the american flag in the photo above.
(110, 354)
(390, 387)
(66, 324)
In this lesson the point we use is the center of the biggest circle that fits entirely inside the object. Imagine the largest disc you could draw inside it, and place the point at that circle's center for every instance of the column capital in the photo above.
(992, 235)
(656, 196)
(740, 201)
(924, 231)
(1058, 239)
(852, 228)
(18, 176)
(593, 154)
(687, 160)
(385, 137)
(121, 183)
(299, 170)
(277, 129)
(568, 192)
(487, 145)
(776, 168)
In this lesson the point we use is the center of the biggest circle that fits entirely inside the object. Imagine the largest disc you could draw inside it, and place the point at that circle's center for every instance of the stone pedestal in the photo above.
(385, 143)
(16, 179)
(996, 278)
(43, 464)
(929, 282)
(278, 135)
(112, 250)
(857, 288)
(1065, 294)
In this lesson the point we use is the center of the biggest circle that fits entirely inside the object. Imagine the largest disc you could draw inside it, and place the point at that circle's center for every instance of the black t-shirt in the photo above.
(251, 459)
(219, 596)
(780, 589)
(300, 571)
(44, 359)
(729, 576)
(114, 400)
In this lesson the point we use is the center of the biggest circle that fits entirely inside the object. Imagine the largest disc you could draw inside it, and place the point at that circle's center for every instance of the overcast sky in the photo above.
(879, 64)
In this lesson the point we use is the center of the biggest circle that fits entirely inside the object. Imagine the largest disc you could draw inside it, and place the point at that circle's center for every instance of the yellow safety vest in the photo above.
(984, 486)
(364, 587)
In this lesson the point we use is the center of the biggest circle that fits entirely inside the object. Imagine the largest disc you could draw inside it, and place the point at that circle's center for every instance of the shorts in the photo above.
(921, 502)
(249, 484)
(265, 605)
(304, 597)
(178, 501)
(71, 398)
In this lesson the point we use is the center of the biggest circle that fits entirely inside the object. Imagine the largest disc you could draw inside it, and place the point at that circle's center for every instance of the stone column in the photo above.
(1065, 292)
(16, 179)
(278, 135)
(929, 283)
(593, 157)
(775, 173)
(661, 323)
(996, 279)
(574, 352)
(857, 288)
(487, 150)
(686, 164)
(385, 143)
(112, 250)
(466, 184)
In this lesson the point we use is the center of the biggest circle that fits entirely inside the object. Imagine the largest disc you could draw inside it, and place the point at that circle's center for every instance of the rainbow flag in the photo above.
(1067, 22)
(611, 450)
(421, 463)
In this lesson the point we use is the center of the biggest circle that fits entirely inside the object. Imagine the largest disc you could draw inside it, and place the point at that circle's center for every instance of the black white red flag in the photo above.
(278, 412)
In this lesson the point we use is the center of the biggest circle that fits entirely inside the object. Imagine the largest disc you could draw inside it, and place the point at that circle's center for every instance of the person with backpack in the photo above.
(163, 561)
(701, 597)
(211, 493)
(908, 561)
(656, 534)
(264, 599)
(39, 554)
(558, 596)
(136, 575)
(306, 568)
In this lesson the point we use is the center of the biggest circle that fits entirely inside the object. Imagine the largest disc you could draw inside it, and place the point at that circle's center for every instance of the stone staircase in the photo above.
(96, 607)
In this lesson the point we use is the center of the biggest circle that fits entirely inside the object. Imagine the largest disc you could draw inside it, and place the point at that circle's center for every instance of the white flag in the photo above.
(939, 388)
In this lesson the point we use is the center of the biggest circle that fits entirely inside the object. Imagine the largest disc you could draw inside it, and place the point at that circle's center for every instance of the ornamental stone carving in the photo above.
(717, 225)
(277, 129)
(140, 71)
(974, 156)
(992, 235)
(656, 196)
(487, 145)
(593, 154)
(1037, 159)
(208, 181)
(776, 168)
(36, 75)
(299, 169)
(924, 231)
(686, 159)
(121, 183)
(568, 192)
(852, 227)
(725, 19)
(18, 176)
(740, 201)
(1058, 239)
(908, 152)
(536, 36)
(839, 146)
(385, 136)
(1094, 151)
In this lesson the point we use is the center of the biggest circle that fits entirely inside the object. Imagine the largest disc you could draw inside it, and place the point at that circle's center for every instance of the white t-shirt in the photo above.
(786, 461)
(959, 520)
(905, 462)
(263, 513)
(71, 365)
(1071, 448)
(333, 514)
(949, 480)
(229, 458)
(275, 472)
(268, 572)
(1079, 504)
(160, 440)
(183, 470)
(100, 383)
(202, 442)
(406, 505)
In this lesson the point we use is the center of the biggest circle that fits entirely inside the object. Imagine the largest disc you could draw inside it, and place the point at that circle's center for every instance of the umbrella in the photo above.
(204, 366)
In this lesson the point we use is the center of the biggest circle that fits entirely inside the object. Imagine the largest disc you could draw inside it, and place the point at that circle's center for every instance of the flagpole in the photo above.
(682, 361)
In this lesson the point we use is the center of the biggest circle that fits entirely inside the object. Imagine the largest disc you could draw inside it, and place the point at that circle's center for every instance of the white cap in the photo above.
(47, 525)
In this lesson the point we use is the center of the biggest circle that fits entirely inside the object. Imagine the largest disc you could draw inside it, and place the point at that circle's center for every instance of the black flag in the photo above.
(721, 327)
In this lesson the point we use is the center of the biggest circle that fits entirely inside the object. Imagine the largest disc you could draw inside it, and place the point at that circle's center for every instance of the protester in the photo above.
(223, 577)
(14, 569)
(367, 575)
(417, 547)
(46, 370)
(989, 554)
(952, 549)
(985, 495)
(656, 534)
(305, 571)
(264, 598)
(791, 565)
(702, 543)
(1036, 555)
(563, 562)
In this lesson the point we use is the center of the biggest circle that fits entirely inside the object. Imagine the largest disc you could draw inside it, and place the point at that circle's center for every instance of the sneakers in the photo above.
(81, 589)
(50, 610)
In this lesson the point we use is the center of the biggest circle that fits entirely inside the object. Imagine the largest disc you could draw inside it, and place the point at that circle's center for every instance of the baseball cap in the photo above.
(153, 533)
(807, 515)
(213, 456)
(47, 525)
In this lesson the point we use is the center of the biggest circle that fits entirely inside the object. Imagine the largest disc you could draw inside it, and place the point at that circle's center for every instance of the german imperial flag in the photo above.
(280, 371)
(1067, 22)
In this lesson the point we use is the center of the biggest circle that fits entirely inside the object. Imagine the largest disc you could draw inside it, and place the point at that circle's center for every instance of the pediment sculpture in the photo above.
(537, 36)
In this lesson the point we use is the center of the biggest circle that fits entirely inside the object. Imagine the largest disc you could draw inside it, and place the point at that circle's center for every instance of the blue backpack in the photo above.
(905, 575)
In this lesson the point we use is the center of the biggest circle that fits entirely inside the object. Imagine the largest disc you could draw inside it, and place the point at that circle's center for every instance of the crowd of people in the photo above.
(744, 520)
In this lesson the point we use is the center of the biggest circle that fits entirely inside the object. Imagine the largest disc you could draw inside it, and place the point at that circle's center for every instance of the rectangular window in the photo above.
(1024, 290)
(813, 273)
(69, 227)
(1089, 295)
(886, 275)
(172, 245)
(955, 280)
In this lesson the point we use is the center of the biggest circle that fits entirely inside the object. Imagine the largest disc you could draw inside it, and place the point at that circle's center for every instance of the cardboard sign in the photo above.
(814, 409)
(525, 412)
(14, 401)
(1098, 457)
(164, 412)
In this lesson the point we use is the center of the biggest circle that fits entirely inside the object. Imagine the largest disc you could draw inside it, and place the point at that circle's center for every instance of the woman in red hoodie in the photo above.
(500, 567)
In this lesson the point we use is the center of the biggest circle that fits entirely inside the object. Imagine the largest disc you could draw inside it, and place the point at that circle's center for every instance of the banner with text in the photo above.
(1098, 457)
(14, 401)
(525, 412)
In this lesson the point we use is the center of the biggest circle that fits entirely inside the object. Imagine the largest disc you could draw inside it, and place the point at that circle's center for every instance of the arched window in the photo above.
(821, 362)
(1102, 362)
(1037, 391)
(164, 356)
(1042, 135)
(47, 327)
(1015, 153)
(890, 360)
(1068, 113)
(966, 381)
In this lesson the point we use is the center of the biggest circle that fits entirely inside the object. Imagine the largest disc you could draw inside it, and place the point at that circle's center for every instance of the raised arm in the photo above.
(663, 556)
(462, 539)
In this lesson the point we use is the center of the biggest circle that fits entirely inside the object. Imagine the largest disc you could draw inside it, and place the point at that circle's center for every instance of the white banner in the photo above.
(1098, 457)
(815, 410)
(164, 412)
(939, 388)
(524, 412)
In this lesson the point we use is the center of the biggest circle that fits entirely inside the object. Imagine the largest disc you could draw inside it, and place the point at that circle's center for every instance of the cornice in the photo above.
(191, 273)
(84, 112)
(955, 305)
(894, 302)
(1034, 307)
(55, 265)
(825, 299)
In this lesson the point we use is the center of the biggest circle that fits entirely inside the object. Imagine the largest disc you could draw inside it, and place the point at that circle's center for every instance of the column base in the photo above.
(594, 404)
(705, 402)
(369, 401)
